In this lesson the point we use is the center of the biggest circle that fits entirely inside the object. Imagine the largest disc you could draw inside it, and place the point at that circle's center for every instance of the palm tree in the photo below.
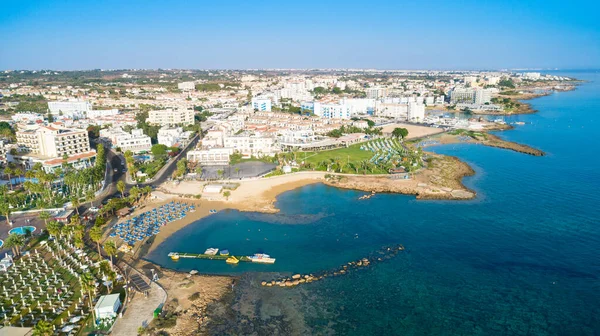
(75, 203)
(96, 236)
(237, 171)
(54, 228)
(220, 173)
(90, 196)
(14, 242)
(111, 249)
(8, 170)
(88, 284)
(5, 210)
(42, 328)
(44, 215)
(121, 187)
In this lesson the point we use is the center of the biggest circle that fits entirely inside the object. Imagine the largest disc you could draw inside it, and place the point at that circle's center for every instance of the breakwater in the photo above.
(381, 255)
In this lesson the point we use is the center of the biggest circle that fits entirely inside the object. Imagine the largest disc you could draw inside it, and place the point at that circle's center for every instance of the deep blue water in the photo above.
(522, 258)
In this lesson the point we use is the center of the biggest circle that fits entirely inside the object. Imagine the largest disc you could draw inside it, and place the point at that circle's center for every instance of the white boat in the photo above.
(262, 258)
(211, 251)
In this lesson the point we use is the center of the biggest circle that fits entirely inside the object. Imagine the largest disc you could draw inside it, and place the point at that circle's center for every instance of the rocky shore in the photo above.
(440, 180)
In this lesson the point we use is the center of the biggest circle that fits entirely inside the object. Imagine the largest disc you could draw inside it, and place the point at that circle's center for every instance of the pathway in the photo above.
(140, 311)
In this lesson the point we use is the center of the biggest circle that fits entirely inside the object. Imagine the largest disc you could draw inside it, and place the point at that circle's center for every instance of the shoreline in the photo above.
(442, 179)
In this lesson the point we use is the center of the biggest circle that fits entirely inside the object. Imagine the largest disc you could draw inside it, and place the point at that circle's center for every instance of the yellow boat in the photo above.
(174, 256)
(232, 260)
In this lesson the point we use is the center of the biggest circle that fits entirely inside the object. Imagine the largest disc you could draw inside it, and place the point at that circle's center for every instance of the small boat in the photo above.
(224, 252)
(174, 255)
(232, 260)
(211, 251)
(262, 258)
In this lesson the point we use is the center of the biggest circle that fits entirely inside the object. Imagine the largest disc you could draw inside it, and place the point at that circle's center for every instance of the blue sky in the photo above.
(68, 35)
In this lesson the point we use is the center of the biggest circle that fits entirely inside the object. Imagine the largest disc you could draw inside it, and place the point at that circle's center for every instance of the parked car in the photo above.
(94, 209)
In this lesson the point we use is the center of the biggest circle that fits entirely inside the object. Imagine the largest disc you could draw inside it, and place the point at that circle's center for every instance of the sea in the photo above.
(522, 258)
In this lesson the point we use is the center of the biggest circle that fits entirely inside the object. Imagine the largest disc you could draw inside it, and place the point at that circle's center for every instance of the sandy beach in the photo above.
(414, 131)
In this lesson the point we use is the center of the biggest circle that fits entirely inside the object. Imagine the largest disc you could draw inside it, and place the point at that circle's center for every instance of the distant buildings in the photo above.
(73, 108)
(186, 86)
(170, 117)
(136, 141)
(376, 92)
(416, 112)
(261, 104)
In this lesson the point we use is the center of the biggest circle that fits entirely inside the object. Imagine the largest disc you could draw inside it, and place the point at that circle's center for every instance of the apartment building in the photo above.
(391, 110)
(376, 92)
(210, 156)
(416, 112)
(49, 145)
(136, 141)
(250, 145)
(172, 136)
(70, 108)
(170, 117)
(332, 110)
(261, 104)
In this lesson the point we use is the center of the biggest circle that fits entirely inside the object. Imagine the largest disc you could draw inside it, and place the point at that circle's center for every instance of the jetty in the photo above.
(178, 255)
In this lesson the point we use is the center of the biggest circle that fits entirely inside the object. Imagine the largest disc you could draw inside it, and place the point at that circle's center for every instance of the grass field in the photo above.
(350, 159)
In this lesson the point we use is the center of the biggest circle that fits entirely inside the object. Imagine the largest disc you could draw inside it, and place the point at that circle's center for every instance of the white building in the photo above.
(52, 141)
(186, 86)
(49, 145)
(250, 145)
(74, 108)
(482, 96)
(170, 117)
(93, 114)
(261, 104)
(332, 110)
(107, 306)
(359, 105)
(391, 110)
(210, 156)
(171, 136)
(376, 92)
(416, 112)
(136, 141)
(462, 95)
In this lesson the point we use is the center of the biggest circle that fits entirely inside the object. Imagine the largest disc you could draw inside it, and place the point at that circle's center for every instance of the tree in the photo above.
(400, 132)
(8, 170)
(43, 328)
(96, 236)
(181, 167)
(159, 150)
(90, 196)
(111, 249)
(88, 284)
(220, 173)
(121, 187)
(44, 215)
(54, 228)
(75, 203)
(6, 211)
(227, 193)
(14, 242)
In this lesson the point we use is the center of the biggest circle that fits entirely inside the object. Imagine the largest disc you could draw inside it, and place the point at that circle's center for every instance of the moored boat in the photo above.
(262, 258)
(232, 260)
(174, 255)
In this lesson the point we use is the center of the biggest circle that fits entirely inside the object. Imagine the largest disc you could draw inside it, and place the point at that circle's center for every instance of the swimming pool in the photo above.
(21, 230)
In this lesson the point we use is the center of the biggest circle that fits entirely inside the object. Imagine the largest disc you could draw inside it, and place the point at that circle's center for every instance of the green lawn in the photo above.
(350, 158)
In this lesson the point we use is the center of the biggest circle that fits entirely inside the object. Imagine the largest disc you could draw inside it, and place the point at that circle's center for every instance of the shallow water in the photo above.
(522, 258)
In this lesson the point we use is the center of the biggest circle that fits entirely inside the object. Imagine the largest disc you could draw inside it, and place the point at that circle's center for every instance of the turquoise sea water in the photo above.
(520, 259)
